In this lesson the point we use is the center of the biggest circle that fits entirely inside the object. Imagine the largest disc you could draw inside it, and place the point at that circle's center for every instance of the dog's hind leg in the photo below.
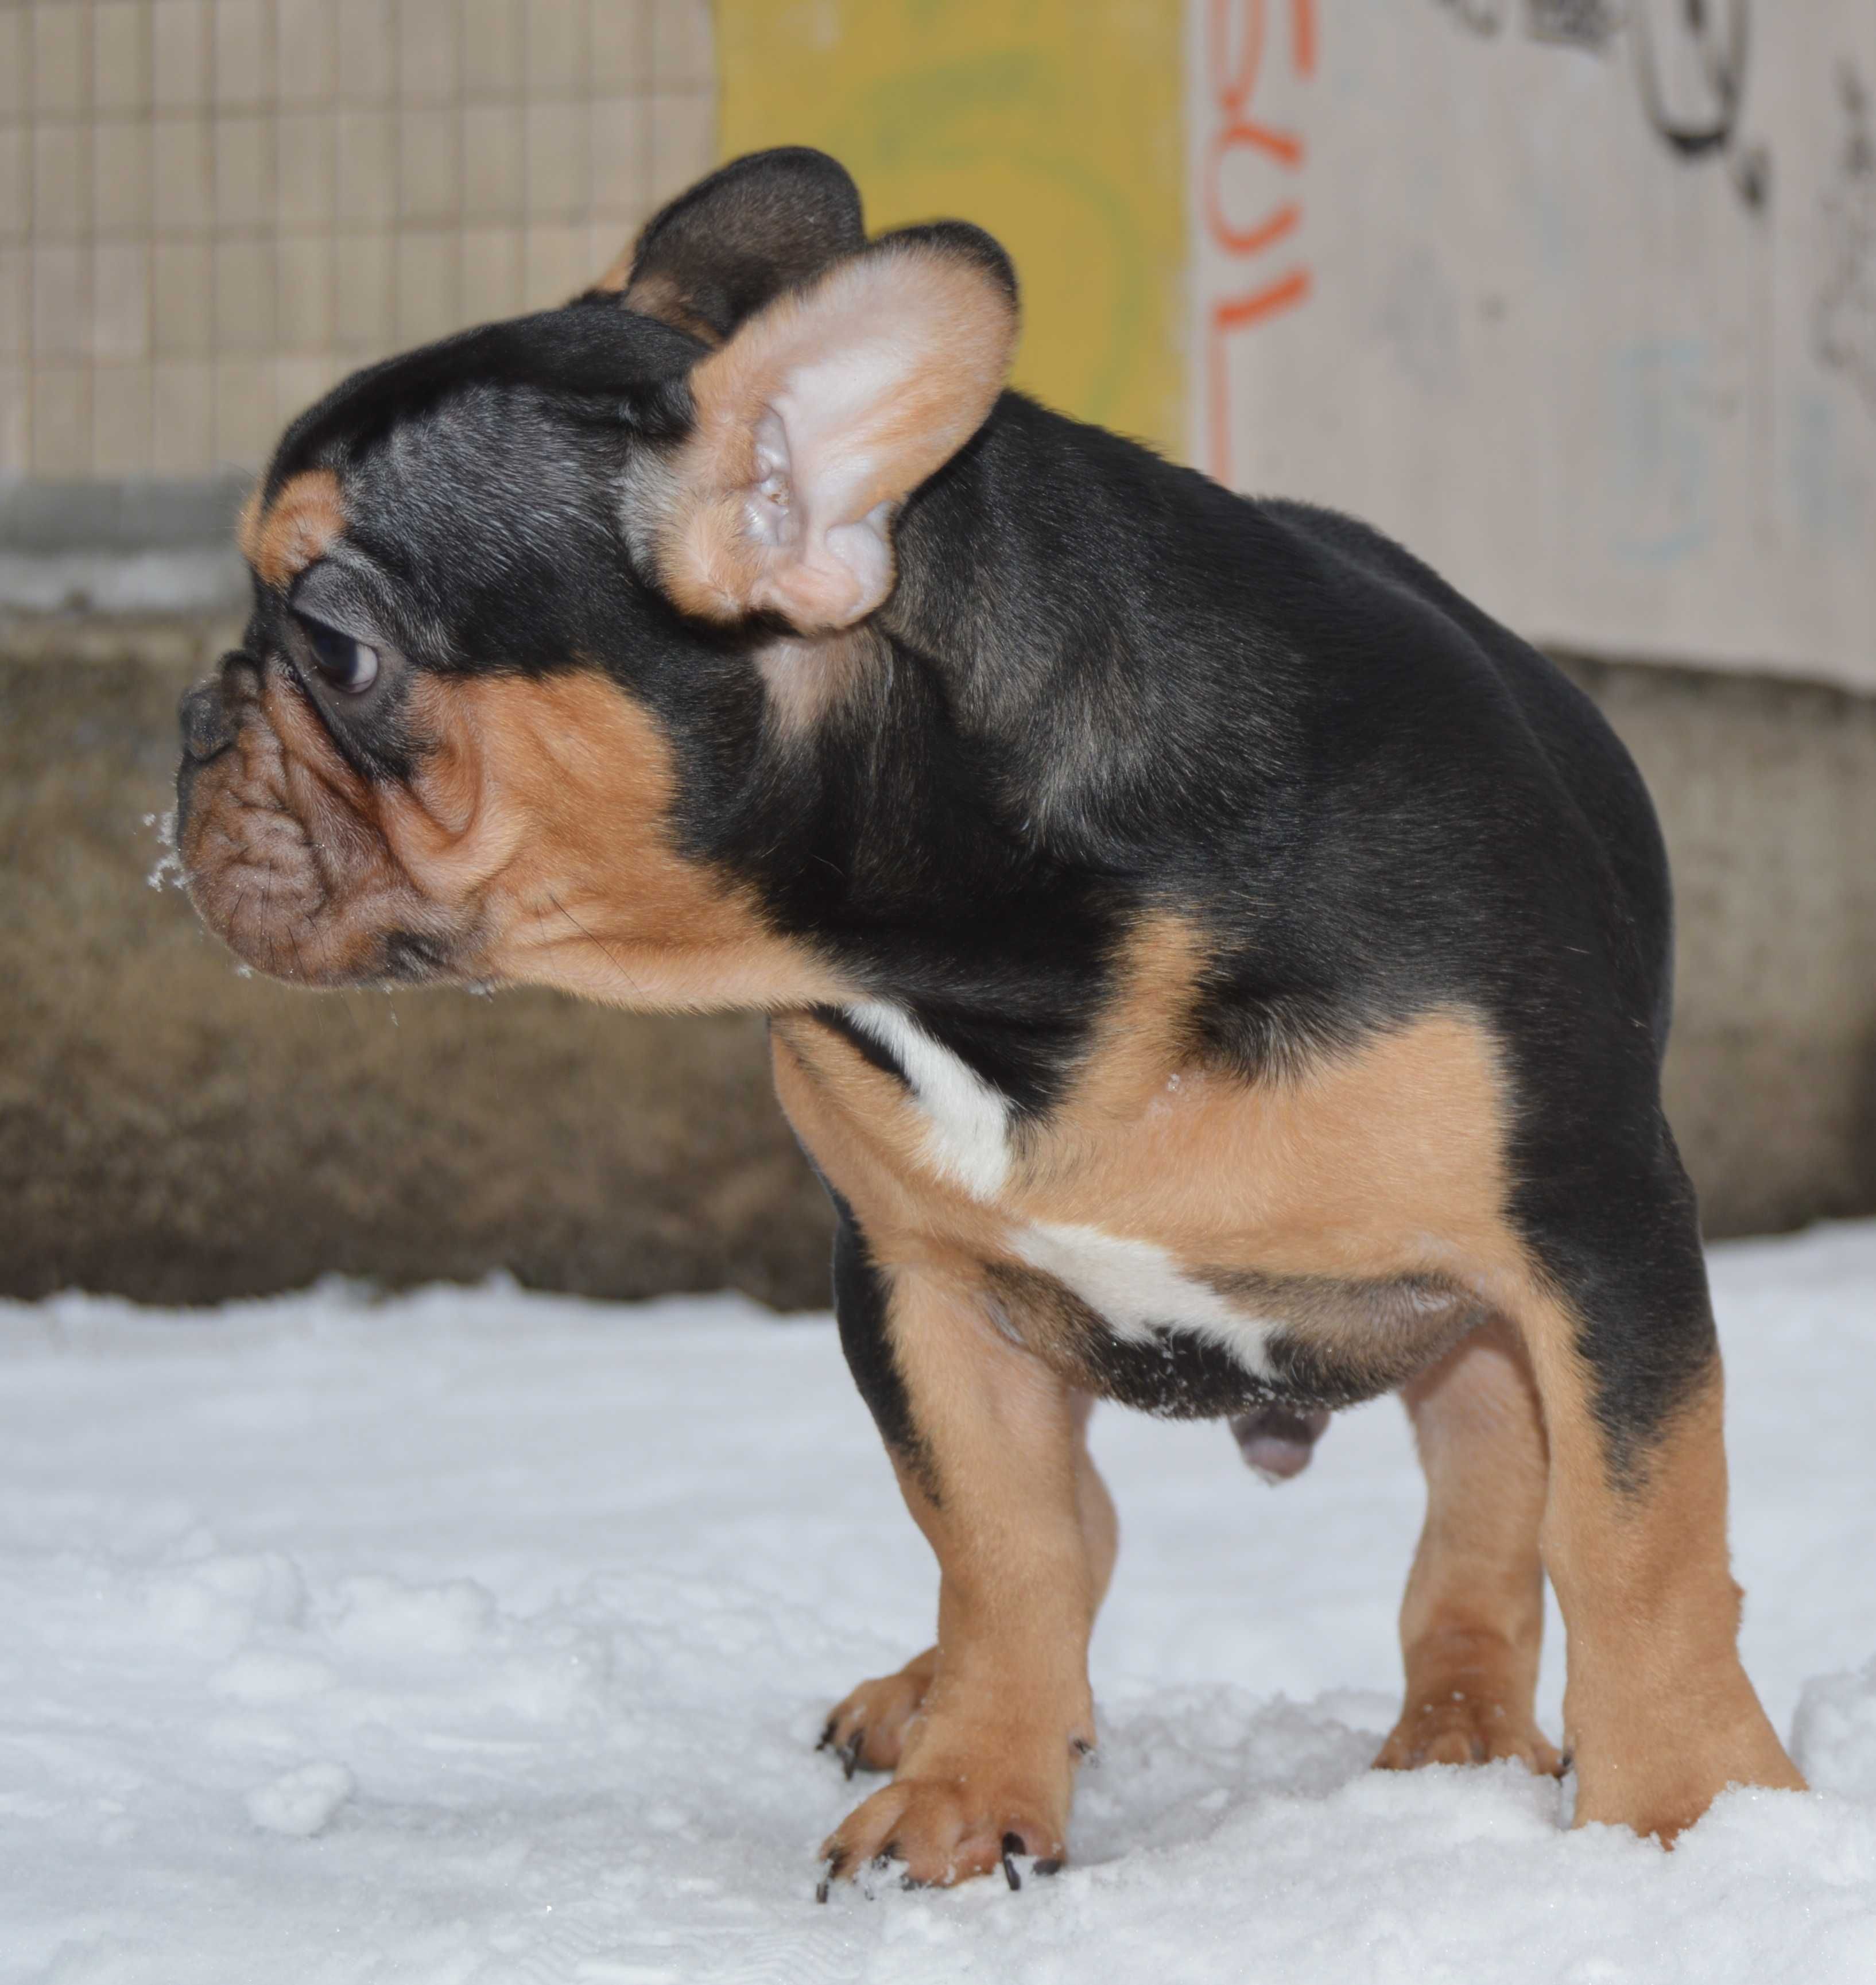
(1473, 1618)
(1658, 1712)
(867, 1730)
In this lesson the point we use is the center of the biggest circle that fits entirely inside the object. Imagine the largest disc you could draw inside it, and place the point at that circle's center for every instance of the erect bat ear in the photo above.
(757, 226)
(815, 420)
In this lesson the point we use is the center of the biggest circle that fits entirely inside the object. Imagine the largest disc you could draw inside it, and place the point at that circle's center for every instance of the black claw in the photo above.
(1012, 1844)
(1083, 1749)
(913, 1881)
(849, 1752)
(820, 1891)
(1050, 1866)
(827, 1735)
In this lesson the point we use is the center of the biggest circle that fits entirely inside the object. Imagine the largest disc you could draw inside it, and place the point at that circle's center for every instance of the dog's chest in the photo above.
(1134, 1246)
(1082, 1277)
(965, 1124)
(1141, 1296)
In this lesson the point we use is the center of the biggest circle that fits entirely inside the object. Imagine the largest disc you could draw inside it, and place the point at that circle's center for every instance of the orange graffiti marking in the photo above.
(1238, 311)
(1303, 34)
(1238, 129)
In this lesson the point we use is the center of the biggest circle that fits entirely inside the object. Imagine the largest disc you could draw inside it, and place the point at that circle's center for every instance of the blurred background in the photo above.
(1577, 297)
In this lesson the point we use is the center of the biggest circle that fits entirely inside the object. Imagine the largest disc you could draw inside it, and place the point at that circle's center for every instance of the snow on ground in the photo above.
(485, 1636)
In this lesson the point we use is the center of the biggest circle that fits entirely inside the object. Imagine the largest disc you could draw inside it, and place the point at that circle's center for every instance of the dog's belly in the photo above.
(1140, 1294)
(1173, 1238)
(1127, 1320)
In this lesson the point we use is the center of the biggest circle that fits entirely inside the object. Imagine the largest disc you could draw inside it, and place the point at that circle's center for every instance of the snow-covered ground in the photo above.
(479, 1636)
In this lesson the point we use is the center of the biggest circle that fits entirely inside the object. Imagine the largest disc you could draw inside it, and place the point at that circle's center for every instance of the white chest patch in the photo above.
(967, 1122)
(1134, 1285)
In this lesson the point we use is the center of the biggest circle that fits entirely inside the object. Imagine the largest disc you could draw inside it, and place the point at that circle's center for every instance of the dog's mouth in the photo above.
(282, 846)
(489, 830)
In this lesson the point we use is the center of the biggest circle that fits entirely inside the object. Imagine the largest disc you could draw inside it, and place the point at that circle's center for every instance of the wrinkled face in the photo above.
(504, 586)
(437, 753)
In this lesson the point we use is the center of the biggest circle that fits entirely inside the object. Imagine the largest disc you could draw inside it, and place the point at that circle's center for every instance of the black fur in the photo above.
(862, 1299)
(866, 1046)
(1107, 687)
(761, 224)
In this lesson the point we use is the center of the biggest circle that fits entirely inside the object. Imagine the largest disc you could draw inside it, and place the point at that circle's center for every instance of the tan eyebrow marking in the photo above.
(281, 539)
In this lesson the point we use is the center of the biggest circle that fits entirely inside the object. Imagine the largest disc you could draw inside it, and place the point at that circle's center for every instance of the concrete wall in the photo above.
(1766, 790)
(175, 1131)
(1578, 299)
(171, 1130)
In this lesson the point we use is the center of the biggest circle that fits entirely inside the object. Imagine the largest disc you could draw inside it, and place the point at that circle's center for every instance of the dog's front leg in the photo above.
(986, 1441)
(867, 1730)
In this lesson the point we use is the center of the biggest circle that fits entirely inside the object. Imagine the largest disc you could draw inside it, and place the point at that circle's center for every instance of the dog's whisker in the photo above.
(617, 964)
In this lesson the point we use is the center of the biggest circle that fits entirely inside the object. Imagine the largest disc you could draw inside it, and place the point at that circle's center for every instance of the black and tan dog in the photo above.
(1213, 965)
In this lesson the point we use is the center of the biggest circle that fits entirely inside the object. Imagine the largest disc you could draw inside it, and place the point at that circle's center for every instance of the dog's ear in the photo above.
(757, 226)
(815, 421)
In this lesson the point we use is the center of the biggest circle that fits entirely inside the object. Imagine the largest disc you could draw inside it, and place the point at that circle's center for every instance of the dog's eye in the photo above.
(345, 662)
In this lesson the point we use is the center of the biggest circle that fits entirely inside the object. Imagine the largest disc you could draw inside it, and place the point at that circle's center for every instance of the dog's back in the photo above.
(1376, 797)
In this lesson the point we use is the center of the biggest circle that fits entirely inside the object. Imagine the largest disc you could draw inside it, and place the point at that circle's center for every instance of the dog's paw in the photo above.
(935, 1832)
(867, 1732)
(1462, 1728)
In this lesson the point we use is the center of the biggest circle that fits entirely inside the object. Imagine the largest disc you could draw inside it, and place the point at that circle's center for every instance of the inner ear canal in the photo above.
(824, 569)
(775, 516)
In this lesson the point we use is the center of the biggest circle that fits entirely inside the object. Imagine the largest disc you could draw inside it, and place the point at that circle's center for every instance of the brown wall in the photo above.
(174, 1131)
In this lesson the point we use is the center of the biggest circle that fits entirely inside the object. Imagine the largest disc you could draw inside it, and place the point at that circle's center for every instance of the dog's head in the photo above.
(488, 574)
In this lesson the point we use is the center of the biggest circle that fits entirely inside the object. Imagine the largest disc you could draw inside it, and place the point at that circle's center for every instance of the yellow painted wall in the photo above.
(1056, 124)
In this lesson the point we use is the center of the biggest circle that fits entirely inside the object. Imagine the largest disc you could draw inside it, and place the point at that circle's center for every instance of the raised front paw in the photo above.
(867, 1732)
(935, 1832)
(1458, 1726)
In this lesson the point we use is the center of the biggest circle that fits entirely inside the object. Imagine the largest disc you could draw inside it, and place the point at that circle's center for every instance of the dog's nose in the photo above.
(206, 712)
(204, 718)
(209, 715)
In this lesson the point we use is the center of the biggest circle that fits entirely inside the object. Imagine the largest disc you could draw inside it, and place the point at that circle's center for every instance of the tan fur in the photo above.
(808, 677)
(531, 845)
(953, 329)
(1658, 1712)
(1008, 1714)
(1381, 1164)
(281, 539)
(618, 273)
(1472, 1622)
(657, 296)
(547, 804)
(870, 1728)
(279, 852)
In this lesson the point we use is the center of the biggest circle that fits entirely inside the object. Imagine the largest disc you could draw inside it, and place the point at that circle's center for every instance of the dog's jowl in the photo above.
(1213, 965)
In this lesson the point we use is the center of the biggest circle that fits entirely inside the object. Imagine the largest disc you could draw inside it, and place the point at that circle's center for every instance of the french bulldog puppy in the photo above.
(1213, 967)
